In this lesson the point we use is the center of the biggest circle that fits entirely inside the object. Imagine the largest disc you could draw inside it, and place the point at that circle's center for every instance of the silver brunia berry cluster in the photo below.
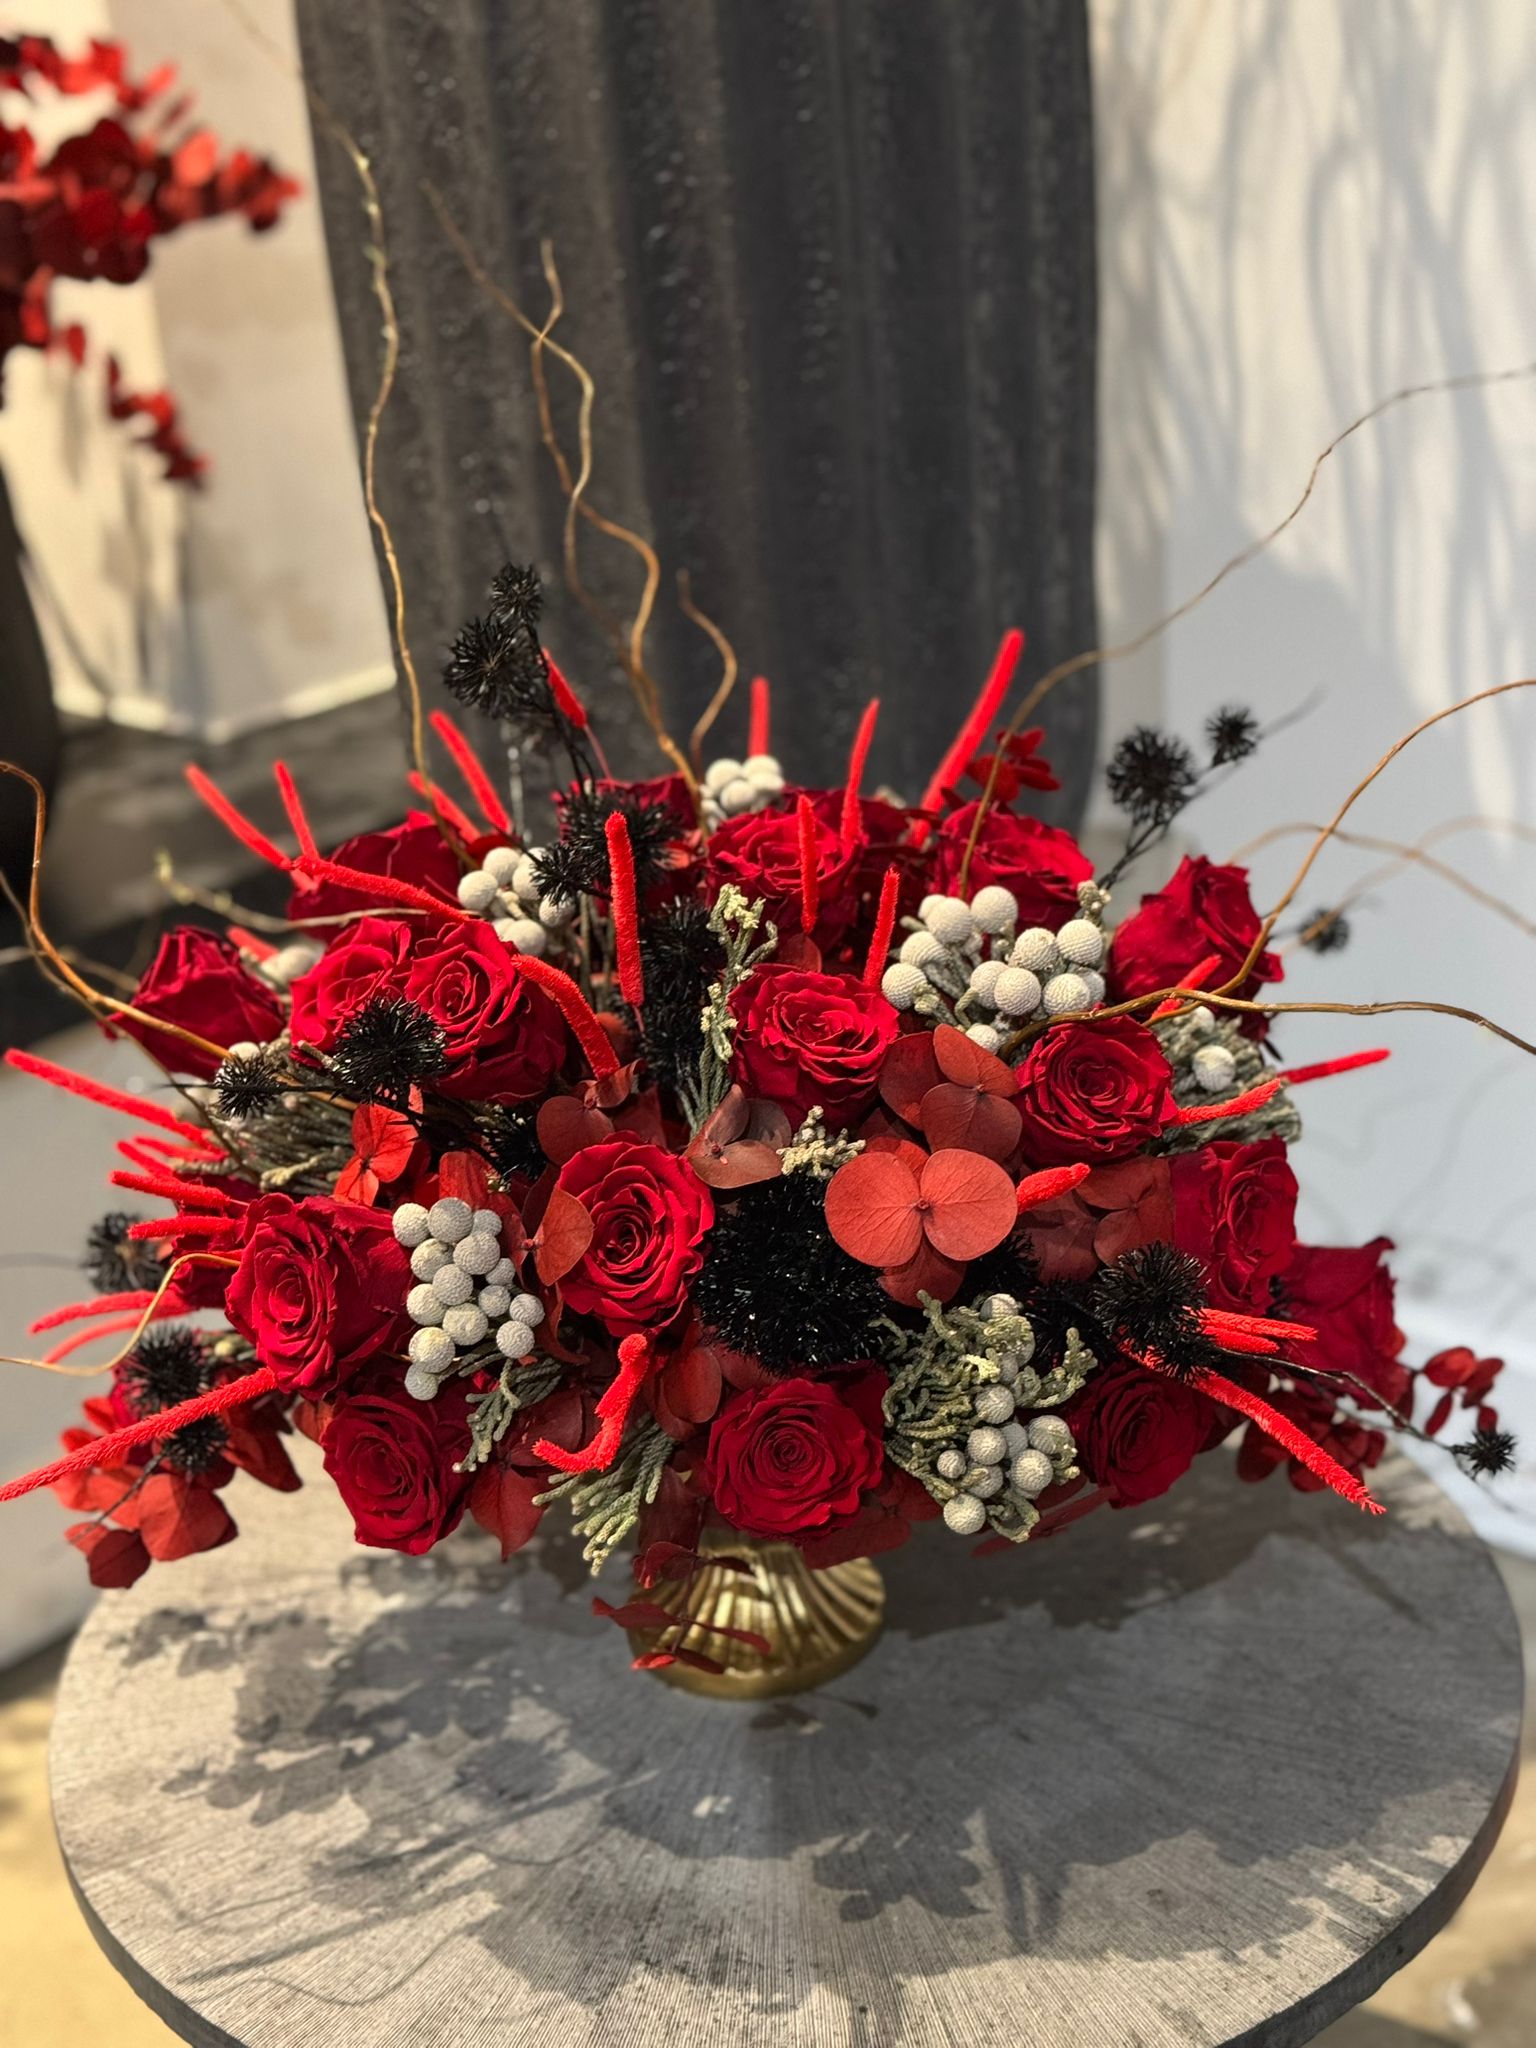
(464, 1290)
(1001, 1451)
(505, 888)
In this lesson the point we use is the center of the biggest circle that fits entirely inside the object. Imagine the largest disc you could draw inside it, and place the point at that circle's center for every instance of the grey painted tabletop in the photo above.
(1206, 1771)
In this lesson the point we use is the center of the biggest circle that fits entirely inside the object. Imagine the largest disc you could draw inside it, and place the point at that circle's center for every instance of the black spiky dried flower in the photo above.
(1488, 1453)
(497, 666)
(386, 1049)
(249, 1086)
(167, 1366)
(1150, 1301)
(1325, 931)
(577, 864)
(509, 1134)
(118, 1263)
(775, 1285)
(681, 958)
(1151, 776)
(1232, 733)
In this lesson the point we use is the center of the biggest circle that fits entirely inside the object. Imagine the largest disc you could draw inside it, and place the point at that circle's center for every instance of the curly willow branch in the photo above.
(85, 1372)
(1470, 380)
(1416, 855)
(731, 668)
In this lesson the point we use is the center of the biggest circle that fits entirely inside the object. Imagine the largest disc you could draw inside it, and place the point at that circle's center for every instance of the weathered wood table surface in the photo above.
(1204, 1772)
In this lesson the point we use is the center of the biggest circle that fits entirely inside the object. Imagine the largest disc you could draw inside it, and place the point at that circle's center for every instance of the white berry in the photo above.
(719, 773)
(995, 909)
(466, 1324)
(450, 1219)
(1094, 982)
(514, 1340)
(994, 1404)
(984, 979)
(452, 1285)
(1050, 1434)
(1016, 992)
(1064, 993)
(528, 1309)
(737, 796)
(420, 1384)
(1200, 1022)
(429, 1258)
(524, 934)
(423, 1306)
(494, 1300)
(919, 948)
(985, 1446)
(1213, 1068)
(965, 1514)
(1081, 942)
(901, 985)
(951, 1465)
(477, 1253)
(477, 890)
(502, 1274)
(986, 1482)
(525, 880)
(431, 1349)
(991, 1306)
(950, 921)
(1032, 1473)
(411, 1226)
(556, 912)
(501, 864)
(987, 1036)
(1018, 1355)
(1036, 950)
(1016, 1436)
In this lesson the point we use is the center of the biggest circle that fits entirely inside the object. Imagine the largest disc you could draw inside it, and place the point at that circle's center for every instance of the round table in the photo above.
(1206, 1771)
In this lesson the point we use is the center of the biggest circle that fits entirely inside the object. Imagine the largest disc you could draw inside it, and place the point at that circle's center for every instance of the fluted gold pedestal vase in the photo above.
(817, 1623)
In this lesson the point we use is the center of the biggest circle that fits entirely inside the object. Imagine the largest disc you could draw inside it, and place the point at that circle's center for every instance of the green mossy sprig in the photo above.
(605, 1506)
(520, 1386)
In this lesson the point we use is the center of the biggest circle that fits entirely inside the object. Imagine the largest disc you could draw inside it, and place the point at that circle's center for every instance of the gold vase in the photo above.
(817, 1623)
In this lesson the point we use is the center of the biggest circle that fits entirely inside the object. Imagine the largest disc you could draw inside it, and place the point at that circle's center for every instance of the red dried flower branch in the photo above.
(626, 913)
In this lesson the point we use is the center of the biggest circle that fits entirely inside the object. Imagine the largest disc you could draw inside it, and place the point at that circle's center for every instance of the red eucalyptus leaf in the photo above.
(177, 1519)
(741, 1165)
(608, 1091)
(633, 1614)
(666, 1560)
(114, 1557)
(693, 1383)
(658, 1660)
(502, 1502)
(927, 1272)
(798, 949)
(970, 1120)
(970, 1204)
(872, 1210)
(910, 1070)
(727, 1123)
(566, 1126)
(962, 1059)
(768, 1124)
(466, 1176)
(565, 1231)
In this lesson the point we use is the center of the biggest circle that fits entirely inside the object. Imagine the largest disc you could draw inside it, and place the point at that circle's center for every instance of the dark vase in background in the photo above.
(29, 724)
(832, 266)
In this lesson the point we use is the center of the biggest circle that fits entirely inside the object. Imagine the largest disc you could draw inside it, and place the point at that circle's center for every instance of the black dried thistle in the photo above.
(1150, 1301)
(249, 1088)
(577, 865)
(508, 1133)
(387, 1048)
(167, 1366)
(681, 957)
(1325, 931)
(775, 1286)
(497, 666)
(1232, 733)
(1151, 776)
(1488, 1453)
(117, 1263)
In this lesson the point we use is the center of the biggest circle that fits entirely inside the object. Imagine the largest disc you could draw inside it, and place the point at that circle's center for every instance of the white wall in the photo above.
(256, 599)
(1304, 205)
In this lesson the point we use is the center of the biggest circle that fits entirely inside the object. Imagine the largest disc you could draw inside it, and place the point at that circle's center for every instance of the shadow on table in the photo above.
(1241, 1682)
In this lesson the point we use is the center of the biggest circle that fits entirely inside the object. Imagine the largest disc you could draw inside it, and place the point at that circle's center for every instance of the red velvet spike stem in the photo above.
(78, 1311)
(1289, 1437)
(760, 719)
(235, 822)
(810, 873)
(1051, 1182)
(161, 1149)
(848, 824)
(195, 1194)
(1217, 1320)
(1247, 1341)
(293, 804)
(439, 800)
(626, 913)
(115, 1328)
(1197, 977)
(1294, 1076)
(885, 924)
(635, 1362)
(469, 765)
(1240, 1105)
(108, 1098)
(983, 711)
(385, 887)
(590, 1035)
(153, 1228)
(101, 1451)
(567, 703)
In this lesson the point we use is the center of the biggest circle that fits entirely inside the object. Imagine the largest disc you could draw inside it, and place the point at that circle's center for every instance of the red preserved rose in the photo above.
(197, 980)
(794, 1458)
(1204, 912)
(1137, 1432)
(1040, 863)
(1346, 1293)
(805, 1038)
(320, 1289)
(649, 1214)
(1093, 1091)
(393, 1461)
(1235, 1211)
(760, 853)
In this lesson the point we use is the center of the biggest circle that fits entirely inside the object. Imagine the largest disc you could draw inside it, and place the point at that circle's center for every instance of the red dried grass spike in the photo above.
(107, 1098)
(760, 719)
(248, 942)
(982, 712)
(293, 804)
(613, 1413)
(470, 766)
(885, 924)
(567, 703)
(195, 1194)
(234, 821)
(103, 1305)
(1290, 1438)
(100, 1452)
(573, 1006)
(153, 1228)
(116, 1327)
(385, 887)
(1225, 1320)
(1240, 1105)
(626, 913)
(848, 823)
(810, 873)
(438, 799)
(1346, 1064)
(1047, 1185)
(1197, 977)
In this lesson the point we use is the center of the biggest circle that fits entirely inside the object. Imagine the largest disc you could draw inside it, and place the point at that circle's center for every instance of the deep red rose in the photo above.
(793, 1458)
(1205, 910)
(1346, 1293)
(504, 1039)
(649, 1214)
(1235, 1211)
(320, 1289)
(392, 1459)
(760, 853)
(196, 980)
(806, 1038)
(1093, 1091)
(1137, 1432)
(414, 851)
(1040, 863)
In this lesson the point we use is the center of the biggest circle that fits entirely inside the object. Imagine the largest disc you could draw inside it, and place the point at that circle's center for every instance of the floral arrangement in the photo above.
(799, 1164)
(92, 206)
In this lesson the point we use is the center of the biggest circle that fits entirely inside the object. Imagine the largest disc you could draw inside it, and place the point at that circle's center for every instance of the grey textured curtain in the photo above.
(831, 263)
